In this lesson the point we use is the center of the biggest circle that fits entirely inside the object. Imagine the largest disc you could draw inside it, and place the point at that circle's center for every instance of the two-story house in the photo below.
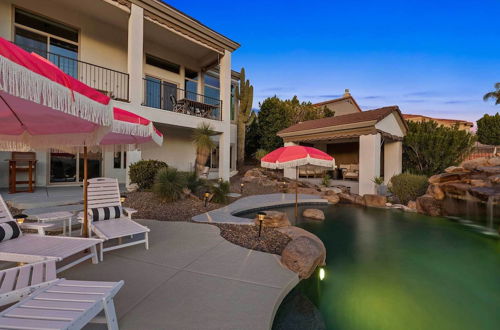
(151, 59)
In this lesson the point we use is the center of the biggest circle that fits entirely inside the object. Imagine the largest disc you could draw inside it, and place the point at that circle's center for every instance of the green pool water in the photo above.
(392, 270)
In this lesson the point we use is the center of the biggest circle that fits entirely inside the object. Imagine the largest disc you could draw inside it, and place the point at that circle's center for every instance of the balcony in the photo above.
(167, 96)
(110, 82)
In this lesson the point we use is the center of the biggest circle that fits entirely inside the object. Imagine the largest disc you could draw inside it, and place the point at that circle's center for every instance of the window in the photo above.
(119, 157)
(191, 84)
(54, 41)
(162, 64)
(212, 93)
(233, 100)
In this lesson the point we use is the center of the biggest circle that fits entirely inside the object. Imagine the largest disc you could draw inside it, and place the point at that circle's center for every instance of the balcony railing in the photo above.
(110, 82)
(167, 96)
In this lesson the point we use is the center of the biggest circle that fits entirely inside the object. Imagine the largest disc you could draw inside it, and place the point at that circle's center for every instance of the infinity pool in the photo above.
(392, 270)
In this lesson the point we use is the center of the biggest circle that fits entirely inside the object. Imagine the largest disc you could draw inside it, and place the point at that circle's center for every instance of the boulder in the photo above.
(479, 183)
(275, 219)
(435, 191)
(444, 177)
(412, 205)
(303, 255)
(426, 204)
(456, 188)
(308, 191)
(495, 161)
(374, 200)
(314, 214)
(332, 199)
(402, 207)
(133, 187)
(455, 169)
(485, 193)
(351, 198)
(331, 191)
(254, 172)
(475, 163)
(495, 179)
(489, 170)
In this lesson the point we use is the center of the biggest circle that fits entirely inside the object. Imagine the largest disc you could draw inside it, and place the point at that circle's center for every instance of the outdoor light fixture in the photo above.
(206, 195)
(241, 187)
(322, 274)
(123, 198)
(261, 216)
(20, 218)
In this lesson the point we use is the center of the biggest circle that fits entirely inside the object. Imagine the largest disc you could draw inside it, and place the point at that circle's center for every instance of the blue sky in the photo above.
(435, 58)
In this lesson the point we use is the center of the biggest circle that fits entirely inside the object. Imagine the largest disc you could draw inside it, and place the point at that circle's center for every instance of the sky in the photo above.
(436, 58)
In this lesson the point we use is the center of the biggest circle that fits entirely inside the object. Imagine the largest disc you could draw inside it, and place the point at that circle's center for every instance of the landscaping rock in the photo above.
(489, 170)
(351, 198)
(479, 183)
(332, 199)
(275, 219)
(485, 193)
(455, 169)
(475, 163)
(412, 205)
(435, 191)
(374, 200)
(495, 179)
(426, 204)
(331, 191)
(133, 187)
(402, 207)
(495, 161)
(444, 177)
(309, 191)
(314, 214)
(456, 188)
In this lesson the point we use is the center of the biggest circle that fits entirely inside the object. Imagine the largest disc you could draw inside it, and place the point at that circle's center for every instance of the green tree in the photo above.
(488, 129)
(252, 139)
(495, 95)
(273, 117)
(429, 148)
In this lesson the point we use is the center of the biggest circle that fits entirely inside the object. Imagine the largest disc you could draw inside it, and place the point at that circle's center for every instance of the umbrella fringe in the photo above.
(299, 162)
(19, 81)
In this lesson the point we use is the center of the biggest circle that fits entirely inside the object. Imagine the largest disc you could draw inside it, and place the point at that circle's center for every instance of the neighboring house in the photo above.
(462, 124)
(365, 144)
(151, 59)
(341, 106)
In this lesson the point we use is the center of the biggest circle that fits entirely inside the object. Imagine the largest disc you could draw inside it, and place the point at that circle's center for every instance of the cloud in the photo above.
(372, 97)
(413, 101)
(276, 89)
(458, 101)
(423, 94)
(323, 96)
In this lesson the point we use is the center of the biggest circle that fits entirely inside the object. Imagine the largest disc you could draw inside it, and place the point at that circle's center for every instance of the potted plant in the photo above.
(381, 187)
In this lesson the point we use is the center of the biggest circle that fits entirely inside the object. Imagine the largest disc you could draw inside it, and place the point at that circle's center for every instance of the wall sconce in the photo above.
(261, 216)
(20, 218)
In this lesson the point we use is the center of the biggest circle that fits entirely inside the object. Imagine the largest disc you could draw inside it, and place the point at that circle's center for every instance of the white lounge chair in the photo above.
(104, 193)
(32, 247)
(51, 303)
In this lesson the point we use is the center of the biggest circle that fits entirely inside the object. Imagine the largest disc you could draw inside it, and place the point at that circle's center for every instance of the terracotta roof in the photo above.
(345, 97)
(409, 116)
(359, 117)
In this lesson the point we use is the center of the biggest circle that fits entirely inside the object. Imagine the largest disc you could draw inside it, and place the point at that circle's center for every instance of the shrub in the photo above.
(325, 181)
(143, 172)
(407, 187)
(169, 184)
(220, 192)
(260, 153)
(193, 182)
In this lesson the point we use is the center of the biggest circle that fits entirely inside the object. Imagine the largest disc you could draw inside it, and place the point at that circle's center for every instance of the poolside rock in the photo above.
(495, 179)
(351, 198)
(314, 214)
(275, 219)
(331, 191)
(486, 193)
(456, 188)
(372, 200)
(308, 191)
(412, 205)
(479, 183)
(494, 161)
(435, 191)
(489, 170)
(133, 187)
(455, 169)
(444, 177)
(474, 163)
(427, 204)
(332, 199)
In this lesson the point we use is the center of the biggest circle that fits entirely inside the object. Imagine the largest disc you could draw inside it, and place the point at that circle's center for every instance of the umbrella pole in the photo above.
(85, 177)
(296, 192)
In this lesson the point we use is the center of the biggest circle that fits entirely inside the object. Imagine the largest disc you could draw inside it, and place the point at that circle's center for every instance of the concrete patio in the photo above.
(191, 278)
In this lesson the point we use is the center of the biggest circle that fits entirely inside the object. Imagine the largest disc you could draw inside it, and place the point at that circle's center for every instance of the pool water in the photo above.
(388, 269)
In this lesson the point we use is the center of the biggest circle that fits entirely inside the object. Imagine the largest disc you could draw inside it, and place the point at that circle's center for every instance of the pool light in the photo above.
(322, 274)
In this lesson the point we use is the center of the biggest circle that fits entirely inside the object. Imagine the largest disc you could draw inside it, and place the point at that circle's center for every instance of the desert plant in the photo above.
(244, 94)
(260, 153)
(202, 139)
(193, 182)
(169, 184)
(325, 180)
(378, 180)
(495, 95)
(220, 192)
(143, 172)
(407, 187)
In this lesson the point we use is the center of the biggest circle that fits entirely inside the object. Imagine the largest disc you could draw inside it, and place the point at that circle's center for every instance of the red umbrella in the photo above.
(295, 156)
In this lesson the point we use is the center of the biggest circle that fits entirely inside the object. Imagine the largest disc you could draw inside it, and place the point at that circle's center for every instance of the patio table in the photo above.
(196, 108)
(45, 218)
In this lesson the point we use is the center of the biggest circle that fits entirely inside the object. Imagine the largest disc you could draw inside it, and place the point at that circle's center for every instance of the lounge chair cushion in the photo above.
(9, 230)
(106, 213)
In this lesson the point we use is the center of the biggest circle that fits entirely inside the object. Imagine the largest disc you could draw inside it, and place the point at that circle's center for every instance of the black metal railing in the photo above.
(167, 96)
(108, 81)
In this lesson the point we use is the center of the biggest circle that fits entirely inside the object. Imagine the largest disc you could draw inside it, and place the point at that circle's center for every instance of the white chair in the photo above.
(47, 302)
(32, 247)
(105, 193)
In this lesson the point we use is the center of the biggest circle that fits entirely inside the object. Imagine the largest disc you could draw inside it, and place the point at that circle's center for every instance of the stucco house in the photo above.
(151, 58)
(463, 125)
(365, 144)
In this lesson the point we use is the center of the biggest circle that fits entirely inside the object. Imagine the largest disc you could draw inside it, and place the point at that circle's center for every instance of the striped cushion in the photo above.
(105, 213)
(9, 230)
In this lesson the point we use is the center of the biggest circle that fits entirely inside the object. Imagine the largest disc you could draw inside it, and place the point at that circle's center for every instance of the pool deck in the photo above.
(191, 278)
(227, 214)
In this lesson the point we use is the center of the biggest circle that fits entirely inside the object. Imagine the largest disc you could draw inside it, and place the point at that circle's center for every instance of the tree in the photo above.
(495, 95)
(488, 129)
(244, 94)
(252, 138)
(202, 139)
(429, 148)
(273, 117)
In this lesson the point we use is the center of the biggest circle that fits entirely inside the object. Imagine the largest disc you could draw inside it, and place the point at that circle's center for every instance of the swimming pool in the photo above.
(388, 269)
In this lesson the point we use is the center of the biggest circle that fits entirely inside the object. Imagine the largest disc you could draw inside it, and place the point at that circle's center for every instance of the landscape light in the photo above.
(206, 195)
(123, 198)
(261, 216)
(322, 274)
(241, 187)
(20, 218)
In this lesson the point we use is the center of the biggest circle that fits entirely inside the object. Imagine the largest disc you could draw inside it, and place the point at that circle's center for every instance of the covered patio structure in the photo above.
(365, 145)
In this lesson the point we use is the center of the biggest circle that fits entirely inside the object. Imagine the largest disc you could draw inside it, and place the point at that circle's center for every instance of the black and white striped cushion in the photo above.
(106, 213)
(9, 230)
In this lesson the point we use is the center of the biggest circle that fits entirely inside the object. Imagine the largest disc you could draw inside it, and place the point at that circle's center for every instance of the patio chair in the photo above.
(46, 302)
(176, 106)
(106, 215)
(18, 247)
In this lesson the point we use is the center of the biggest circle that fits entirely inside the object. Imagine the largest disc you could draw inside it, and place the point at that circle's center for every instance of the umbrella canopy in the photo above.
(293, 156)
(129, 128)
(41, 106)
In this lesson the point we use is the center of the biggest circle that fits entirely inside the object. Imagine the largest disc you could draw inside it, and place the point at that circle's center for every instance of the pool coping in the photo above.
(229, 213)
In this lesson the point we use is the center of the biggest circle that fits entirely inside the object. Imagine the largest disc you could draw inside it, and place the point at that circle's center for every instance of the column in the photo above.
(289, 172)
(135, 54)
(393, 159)
(132, 157)
(225, 96)
(369, 162)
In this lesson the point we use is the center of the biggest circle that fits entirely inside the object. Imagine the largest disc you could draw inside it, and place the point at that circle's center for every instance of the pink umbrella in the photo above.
(295, 156)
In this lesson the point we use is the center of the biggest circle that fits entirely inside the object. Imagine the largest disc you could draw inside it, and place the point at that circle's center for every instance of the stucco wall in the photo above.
(392, 125)
(343, 107)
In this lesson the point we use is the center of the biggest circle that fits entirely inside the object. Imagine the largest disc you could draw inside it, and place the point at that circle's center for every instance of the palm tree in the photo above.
(202, 139)
(493, 95)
